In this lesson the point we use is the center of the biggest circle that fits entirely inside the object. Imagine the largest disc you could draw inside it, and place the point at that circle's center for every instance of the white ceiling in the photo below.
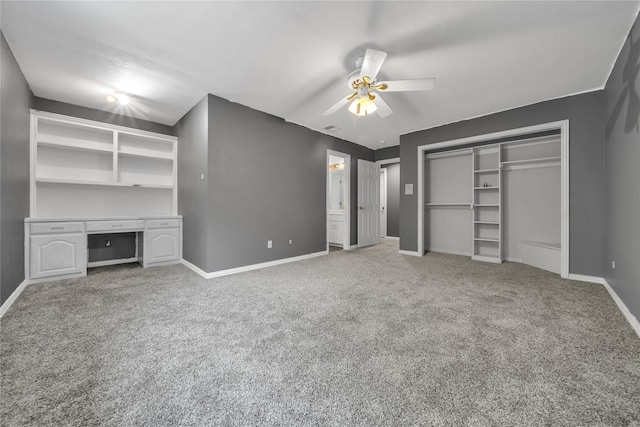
(291, 59)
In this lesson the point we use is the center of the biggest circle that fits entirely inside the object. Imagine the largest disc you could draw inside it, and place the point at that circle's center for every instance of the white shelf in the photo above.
(468, 204)
(484, 239)
(540, 160)
(146, 154)
(486, 213)
(485, 258)
(99, 183)
(73, 144)
(88, 167)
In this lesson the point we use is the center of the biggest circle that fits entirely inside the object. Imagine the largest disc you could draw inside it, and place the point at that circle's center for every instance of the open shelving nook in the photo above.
(83, 168)
(486, 203)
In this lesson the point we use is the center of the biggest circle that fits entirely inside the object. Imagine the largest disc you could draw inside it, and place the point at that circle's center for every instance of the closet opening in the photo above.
(338, 200)
(498, 197)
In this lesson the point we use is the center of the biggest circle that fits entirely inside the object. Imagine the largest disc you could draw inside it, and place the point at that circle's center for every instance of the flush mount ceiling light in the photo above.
(119, 98)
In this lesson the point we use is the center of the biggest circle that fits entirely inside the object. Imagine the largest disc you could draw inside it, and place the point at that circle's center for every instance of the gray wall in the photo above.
(387, 153)
(58, 107)
(586, 169)
(265, 180)
(393, 199)
(622, 160)
(16, 99)
(193, 148)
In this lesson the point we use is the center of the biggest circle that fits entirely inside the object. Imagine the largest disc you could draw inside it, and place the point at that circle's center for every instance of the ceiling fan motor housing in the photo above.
(353, 76)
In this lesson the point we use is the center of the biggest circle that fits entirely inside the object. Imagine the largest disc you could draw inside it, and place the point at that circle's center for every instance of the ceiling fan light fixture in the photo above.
(362, 106)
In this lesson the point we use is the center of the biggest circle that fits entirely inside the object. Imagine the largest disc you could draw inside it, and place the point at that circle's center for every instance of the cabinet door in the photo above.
(161, 246)
(58, 255)
(339, 233)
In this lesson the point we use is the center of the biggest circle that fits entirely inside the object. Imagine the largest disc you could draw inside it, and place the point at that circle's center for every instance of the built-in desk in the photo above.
(56, 248)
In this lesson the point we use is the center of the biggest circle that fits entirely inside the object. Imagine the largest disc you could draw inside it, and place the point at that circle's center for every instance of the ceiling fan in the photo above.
(363, 82)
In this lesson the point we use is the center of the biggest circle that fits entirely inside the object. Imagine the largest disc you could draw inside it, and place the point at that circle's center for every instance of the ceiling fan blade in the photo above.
(383, 108)
(373, 60)
(407, 85)
(336, 106)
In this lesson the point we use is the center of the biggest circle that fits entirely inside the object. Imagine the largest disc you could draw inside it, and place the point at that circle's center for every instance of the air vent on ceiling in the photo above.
(331, 128)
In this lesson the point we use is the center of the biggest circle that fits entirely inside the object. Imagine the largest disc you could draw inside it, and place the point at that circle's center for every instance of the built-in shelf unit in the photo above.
(85, 168)
(95, 179)
(487, 216)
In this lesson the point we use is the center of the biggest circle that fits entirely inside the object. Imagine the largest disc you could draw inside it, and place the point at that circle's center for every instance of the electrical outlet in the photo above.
(269, 244)
(613, 264)
(107, 243)
(291, 241)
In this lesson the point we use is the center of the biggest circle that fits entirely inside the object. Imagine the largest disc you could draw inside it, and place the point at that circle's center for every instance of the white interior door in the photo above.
(368, 203)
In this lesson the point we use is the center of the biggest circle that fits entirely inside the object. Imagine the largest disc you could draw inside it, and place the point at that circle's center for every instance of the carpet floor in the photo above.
(365, 337)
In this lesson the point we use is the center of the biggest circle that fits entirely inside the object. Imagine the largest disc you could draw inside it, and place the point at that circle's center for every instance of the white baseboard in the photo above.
(633, 320)
(242, 269)
(411, 253)
(589, 279)
(14, 295)
(391, 238)
(447, 251)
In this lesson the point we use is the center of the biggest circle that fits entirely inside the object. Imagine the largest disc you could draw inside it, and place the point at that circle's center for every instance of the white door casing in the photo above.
(368, 203)
(383, 202)
(345, 230)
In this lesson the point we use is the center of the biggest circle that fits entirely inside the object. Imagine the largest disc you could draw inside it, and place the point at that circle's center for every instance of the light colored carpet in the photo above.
(365, 337)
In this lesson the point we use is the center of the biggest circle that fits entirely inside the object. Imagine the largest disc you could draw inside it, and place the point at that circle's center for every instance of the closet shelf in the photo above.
(486, 205)
(485, 170)
(487, 222)
(483, 239)
(467, 204)
(526, 161)
(495, 187)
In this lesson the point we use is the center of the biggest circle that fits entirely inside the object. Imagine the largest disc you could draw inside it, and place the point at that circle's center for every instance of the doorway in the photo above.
(338, 212)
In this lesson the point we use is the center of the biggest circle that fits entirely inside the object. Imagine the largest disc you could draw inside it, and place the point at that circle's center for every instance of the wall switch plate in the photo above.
(269, 244)
(613, 264)
(408, 189)
(291, 241)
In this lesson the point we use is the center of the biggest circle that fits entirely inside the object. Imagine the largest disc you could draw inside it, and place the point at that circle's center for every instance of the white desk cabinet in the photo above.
(57, 248)
(161, 246)
(55, 252)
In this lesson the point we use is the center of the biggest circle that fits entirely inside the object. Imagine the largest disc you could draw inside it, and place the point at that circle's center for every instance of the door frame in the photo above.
(562, 126)
(383, 203)
(391, 161)
(346, 241)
